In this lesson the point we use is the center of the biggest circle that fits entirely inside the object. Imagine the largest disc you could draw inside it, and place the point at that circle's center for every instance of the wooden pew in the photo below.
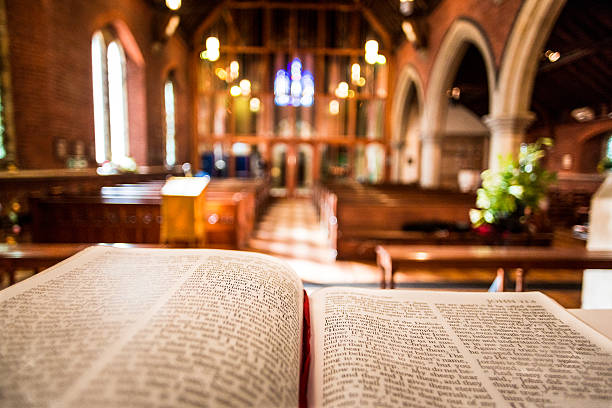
(360, 217)
(131, 213)
(400, 258)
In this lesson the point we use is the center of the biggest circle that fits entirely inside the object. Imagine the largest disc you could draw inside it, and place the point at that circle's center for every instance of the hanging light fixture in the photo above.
(406, 7)
(173, 4)
(234, 70)
(334, 107)
(371, 51)
(355, 73)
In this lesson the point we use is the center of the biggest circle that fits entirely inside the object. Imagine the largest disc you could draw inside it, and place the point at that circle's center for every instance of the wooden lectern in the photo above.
(182, 211)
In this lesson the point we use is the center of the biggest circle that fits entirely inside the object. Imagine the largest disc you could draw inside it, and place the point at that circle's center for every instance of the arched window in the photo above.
(169, 105)
(110, 98)
(7, 139)
(2, 149)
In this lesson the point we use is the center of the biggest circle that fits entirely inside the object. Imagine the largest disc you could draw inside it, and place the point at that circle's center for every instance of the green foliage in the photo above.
(517, 189)
(604, 165)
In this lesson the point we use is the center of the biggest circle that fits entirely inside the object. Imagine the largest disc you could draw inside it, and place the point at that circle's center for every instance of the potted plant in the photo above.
(511, 199)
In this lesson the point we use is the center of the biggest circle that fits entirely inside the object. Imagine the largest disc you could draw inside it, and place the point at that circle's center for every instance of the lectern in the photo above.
(182, 211)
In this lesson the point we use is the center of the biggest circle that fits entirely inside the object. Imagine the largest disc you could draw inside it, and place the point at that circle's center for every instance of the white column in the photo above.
(431, 157)
(507, 134)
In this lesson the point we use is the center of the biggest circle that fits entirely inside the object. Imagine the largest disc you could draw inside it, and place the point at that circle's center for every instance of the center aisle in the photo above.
(290, 230)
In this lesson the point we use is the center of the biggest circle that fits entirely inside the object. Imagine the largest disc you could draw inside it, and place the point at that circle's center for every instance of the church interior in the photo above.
(319, 130)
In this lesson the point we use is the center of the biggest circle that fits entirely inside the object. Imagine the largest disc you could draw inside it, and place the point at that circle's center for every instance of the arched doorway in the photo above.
(278, 170)
(304, 171)
(405, 137)
(593, 151)
(462, 37)
(465, 138)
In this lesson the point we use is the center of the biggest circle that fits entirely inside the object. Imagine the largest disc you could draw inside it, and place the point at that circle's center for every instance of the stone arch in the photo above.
(604, 127)
(409, 92)
(509, 115)
(458, 38)
(531, 29)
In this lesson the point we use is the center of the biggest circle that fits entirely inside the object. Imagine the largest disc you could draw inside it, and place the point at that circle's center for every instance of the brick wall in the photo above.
(495, 20)
(50, 61)
(582, 141)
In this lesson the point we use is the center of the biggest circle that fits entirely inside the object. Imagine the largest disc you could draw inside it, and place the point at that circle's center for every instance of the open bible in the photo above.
(197, 327)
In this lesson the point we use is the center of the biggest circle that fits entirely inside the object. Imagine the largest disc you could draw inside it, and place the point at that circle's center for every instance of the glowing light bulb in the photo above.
(212, 43)
(381, 59)
(234, 70)
(355, 73)
(213, 54)
(553, 56)
(204, 55)
(254, 104)
(371, 58)
(173, 4)
(371, 47)
(245, 87)
(409, 31)
(334, 107)
(235, 90)
(221, 74)
(342, 90)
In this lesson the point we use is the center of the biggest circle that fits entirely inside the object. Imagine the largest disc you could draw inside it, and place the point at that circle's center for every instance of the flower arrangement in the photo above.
(509, 198)
(604, 165)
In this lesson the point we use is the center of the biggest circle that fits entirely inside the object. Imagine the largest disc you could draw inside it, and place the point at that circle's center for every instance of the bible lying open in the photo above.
(174, 327)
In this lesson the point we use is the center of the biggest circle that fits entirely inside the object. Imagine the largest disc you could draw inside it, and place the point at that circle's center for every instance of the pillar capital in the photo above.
(507, 134)
(509, 124)
(431, 137)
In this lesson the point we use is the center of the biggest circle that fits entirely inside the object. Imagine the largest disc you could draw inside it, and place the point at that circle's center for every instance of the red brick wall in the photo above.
(174, 59)
(495, 20)
(50, 61)
(583, 141)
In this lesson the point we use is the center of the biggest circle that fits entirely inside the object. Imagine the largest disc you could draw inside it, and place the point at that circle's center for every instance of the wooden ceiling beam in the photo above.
(593, 85)
(289, 6)
(569, 57)
(210, 19)
(603, 66)
(376, 25)
(247, 49)
(235, 37)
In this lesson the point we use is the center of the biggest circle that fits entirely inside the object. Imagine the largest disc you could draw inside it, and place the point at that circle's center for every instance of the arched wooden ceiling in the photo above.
(385, 13)
(583, 35)
(582, 76)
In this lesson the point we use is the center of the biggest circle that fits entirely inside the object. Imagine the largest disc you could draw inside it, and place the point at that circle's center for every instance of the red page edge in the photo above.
(305, 354)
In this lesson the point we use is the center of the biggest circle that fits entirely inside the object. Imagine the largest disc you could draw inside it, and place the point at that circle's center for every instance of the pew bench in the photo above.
(392, 259)
(132, 213)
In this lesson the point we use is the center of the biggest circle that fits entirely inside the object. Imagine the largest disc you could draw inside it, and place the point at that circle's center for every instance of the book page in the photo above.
(153, 327)
(420, 349)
